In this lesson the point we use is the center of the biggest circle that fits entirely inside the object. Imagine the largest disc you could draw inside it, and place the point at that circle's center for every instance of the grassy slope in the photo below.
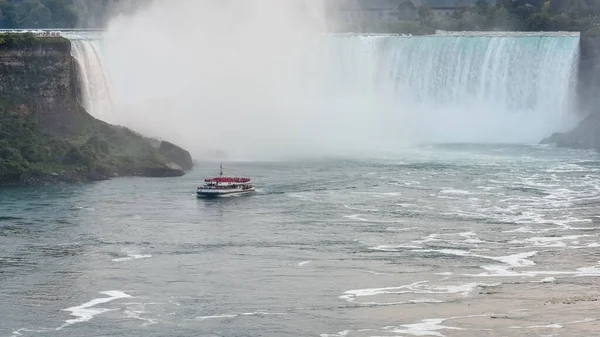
(88, 150)
(96, 151)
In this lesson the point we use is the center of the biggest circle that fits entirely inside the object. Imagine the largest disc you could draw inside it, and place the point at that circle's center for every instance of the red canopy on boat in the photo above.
(227, 180)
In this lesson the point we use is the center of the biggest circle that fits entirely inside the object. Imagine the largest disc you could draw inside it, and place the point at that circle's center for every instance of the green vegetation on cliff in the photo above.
(60, 13)
(28, 39)
(96, 151)
(47, 137)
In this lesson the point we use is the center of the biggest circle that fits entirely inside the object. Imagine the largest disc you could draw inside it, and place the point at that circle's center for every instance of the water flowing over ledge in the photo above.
(507, 34)
(510, 87)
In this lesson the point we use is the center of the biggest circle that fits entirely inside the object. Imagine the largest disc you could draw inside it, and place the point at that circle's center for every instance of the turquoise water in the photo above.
(338, 247)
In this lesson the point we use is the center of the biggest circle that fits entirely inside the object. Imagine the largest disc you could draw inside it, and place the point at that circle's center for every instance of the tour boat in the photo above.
(225, 186)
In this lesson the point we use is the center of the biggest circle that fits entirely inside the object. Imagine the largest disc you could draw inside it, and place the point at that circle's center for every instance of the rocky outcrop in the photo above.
(171, 170)
(47, 137)
(585, 136)
(177, 155)
(37, 77)
(588, 84)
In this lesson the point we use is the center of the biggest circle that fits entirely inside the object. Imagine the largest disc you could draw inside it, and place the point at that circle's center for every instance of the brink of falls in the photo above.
(96, 90)
(378, 90)
(457, 88)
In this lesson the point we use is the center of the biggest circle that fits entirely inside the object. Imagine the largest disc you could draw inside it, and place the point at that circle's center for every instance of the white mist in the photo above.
(260, 80)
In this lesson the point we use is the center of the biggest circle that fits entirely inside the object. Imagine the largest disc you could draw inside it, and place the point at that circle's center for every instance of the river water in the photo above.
(446, 240)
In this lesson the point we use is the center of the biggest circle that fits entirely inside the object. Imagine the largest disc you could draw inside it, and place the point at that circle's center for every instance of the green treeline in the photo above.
(59, 13)
(504, 15)
(520, 15)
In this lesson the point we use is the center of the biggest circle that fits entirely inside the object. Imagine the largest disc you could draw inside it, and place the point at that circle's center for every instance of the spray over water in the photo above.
(261, 79)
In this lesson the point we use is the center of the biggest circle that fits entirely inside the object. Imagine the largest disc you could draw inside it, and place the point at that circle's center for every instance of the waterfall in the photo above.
(97, 94)
(342, 91)
(474, 87)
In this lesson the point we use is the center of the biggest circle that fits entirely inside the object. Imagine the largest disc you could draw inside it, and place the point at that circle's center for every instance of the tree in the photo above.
(407, 10)
(425, 14)
(482, 7)
(64, 14)
(35, 14)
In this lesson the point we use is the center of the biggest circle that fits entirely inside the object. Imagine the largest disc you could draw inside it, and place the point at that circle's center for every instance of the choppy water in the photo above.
(454, 240)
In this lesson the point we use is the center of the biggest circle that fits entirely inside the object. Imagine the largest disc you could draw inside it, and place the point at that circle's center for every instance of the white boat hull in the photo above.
(220, 193)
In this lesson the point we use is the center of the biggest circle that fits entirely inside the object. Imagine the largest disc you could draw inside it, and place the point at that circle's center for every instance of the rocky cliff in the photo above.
(45, 134)
(587, 134)
(589, 71)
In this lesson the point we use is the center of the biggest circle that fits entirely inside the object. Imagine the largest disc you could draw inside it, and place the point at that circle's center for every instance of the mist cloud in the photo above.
(260, 79)
(217, 74)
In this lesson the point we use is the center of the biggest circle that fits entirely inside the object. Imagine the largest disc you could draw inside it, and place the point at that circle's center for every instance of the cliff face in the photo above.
(589, 72)
(38, 78)
(587, 134)
(45, 134)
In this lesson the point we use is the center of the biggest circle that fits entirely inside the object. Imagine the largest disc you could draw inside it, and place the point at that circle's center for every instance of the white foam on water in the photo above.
(302, 196)
(304, 263)
(445, 197)
(425, 300)
(553, 241)
(405, 183)
(20, 331)
(90, 209)
(589, 245)
(455, 192)
(556, 325)
(427, 327)
(515, 260)
(356, 217)
(503, 271)
(351, 295)
(86, 312)
(469, 238)
(339, 334)
(392, 194)
(588, 271)
(395, 229)
(420, 287)
(361, 209)
(552, 326)
(360, 218)
(394, 248)
(132, 255)
(257, 313)
(136, 310)
(447, 273)
(202, 318)
(428, 238)
(527, 230)
(372, 272)
(474, 241)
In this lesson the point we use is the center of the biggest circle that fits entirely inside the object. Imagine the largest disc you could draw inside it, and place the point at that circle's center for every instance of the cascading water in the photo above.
(350, 89)
(97, 94)
(458, 87)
